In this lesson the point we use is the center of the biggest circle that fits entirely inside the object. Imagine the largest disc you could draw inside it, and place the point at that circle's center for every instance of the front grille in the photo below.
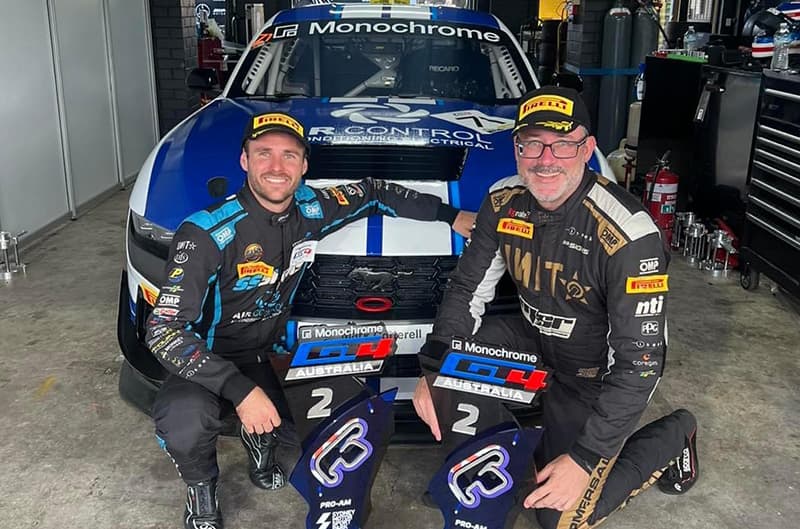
(386, 162)
(415, 285)
(330, 288)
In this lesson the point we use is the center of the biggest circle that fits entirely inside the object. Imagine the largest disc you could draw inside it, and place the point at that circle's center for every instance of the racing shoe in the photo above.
(265, 472)
(682, 472)
(202, 506)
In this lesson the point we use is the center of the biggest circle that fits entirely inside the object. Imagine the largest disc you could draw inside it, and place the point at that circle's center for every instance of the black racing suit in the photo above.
(592, 285)
(230, 278)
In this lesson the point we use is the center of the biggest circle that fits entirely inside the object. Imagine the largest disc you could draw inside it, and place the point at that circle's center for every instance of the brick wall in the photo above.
(175, 53)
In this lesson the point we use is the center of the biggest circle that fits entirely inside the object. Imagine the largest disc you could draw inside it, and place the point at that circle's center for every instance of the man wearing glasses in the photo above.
(590, 266)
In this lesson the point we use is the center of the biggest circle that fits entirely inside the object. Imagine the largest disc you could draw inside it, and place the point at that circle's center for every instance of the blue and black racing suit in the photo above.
(229, 281)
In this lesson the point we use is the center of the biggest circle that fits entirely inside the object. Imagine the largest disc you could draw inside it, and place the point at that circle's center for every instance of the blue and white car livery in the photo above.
(424, 96)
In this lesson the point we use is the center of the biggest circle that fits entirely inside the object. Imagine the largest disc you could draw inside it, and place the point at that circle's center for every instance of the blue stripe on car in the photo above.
(455, 201)
(381, 206)
(291, 334)
(375, 235)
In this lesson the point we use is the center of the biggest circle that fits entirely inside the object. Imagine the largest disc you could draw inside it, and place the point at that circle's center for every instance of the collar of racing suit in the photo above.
(542, 217)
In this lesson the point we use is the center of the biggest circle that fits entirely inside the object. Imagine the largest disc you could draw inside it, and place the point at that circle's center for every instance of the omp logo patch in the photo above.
(515, 227)
(649, 265)
(553, 103)
(311, 210)
(252, 269)
(647, 285)
(611, 239)
(223, 236)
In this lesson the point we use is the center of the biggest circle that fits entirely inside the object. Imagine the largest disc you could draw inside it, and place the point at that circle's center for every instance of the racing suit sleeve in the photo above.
(172, 330)
(636, 283)
(472, 285)
(343, 204)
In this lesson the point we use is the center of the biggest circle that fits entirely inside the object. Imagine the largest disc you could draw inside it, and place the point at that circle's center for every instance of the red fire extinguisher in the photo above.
(660, 195)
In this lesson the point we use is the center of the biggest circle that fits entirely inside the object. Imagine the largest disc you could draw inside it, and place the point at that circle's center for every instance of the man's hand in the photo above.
(257, 413)
(564, 482)
(423, 403)
(464, 222)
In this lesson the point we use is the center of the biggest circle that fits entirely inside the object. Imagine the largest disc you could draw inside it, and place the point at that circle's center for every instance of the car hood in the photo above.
(205, 147)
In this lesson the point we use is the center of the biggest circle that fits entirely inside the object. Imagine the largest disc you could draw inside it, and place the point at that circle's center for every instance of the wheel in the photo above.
(749, 278)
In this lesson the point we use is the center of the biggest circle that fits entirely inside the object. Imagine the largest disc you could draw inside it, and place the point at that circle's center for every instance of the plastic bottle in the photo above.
(690, 39)
(780, 54)
(638, 85)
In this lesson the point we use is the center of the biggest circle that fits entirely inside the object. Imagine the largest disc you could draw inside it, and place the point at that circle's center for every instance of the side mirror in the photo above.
(203, 79)
(568, 80)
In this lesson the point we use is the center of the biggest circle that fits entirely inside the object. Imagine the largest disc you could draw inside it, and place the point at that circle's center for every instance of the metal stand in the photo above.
(8, 247)
(719, 248)
(683, 220)
(695, 246)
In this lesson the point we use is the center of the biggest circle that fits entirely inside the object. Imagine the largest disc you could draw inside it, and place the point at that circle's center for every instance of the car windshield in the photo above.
(368, 58)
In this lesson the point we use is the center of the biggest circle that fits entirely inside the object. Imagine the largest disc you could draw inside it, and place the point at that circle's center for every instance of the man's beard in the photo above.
(531, 181)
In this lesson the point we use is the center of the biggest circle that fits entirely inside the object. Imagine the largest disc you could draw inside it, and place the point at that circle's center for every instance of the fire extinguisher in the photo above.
(660, 195)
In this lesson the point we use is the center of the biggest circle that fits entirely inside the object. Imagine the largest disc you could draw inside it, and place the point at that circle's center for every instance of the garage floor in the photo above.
(73, 455)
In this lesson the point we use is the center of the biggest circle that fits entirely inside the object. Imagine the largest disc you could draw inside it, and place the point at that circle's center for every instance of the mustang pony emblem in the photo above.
(374, 280)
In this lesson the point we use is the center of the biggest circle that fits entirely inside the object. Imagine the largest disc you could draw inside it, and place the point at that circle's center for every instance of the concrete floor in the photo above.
(74, 455)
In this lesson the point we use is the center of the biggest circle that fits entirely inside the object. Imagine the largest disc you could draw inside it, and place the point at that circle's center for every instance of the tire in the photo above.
(749, 278)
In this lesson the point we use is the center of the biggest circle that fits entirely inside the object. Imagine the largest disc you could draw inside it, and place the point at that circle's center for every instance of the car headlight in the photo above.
(151, 230)
(150, 237)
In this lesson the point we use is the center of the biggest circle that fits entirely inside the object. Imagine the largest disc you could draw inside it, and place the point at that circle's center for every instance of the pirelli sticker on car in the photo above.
(647, 285)
(553, 103)
(515, 227)
(150, 295)
(253, 269)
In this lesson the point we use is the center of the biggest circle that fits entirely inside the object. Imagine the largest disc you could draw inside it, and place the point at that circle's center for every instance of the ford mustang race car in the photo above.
(421, 95)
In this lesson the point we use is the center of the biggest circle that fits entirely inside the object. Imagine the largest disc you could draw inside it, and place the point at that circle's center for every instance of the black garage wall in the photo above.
(175, 53)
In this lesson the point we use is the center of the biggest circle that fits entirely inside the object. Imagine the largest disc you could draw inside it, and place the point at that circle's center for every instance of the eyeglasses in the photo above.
(560, 149)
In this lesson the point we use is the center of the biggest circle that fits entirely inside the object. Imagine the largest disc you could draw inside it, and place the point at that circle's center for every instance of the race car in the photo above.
(417, 94)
